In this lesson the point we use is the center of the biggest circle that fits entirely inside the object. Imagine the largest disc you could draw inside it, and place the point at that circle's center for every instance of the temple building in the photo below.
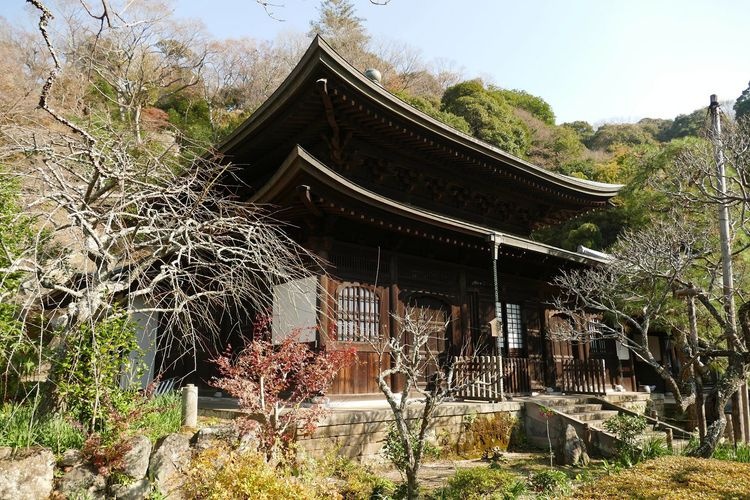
(406, 211)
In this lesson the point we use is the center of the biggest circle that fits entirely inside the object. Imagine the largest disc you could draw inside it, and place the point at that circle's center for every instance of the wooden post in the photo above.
(587, 436)
(670, 438)
(190, 406)
(737, 418)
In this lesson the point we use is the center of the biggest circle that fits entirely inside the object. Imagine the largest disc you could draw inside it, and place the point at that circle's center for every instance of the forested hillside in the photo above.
(167, 80)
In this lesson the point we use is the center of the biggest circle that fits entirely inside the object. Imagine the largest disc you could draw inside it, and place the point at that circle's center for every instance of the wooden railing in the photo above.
(584, 376)
(476, 376)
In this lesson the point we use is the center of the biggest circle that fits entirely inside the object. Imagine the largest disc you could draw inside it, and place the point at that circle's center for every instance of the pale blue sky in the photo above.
(594, 60)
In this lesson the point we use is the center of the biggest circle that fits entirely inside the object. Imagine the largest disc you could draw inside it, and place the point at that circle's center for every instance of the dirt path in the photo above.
(434, 474)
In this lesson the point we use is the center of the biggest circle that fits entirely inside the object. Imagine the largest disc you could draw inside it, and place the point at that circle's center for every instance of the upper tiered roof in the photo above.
(332, 110)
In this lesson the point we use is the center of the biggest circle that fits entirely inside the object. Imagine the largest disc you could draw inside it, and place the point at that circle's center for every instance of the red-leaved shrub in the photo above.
(275, 384)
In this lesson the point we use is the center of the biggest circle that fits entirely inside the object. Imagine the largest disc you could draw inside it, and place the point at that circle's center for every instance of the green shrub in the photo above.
(627, 428)
(361, 482)
(550, 482)
(355, 481)
(87, 374)
(480, 482)
(222, 474)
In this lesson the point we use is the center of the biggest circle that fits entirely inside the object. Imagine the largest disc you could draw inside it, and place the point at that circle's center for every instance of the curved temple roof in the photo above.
(320, 56)
(300, 160)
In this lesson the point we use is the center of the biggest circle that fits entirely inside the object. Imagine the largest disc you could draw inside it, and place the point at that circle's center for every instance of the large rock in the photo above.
(574, 448)
(135, 461)
(208, 437)
(169, 461)
(26, 474)
(82, 482)
(71, 458)
(137, 490)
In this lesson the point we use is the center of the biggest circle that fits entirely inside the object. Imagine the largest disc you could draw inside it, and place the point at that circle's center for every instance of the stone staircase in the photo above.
(593, 412)
(581, 409)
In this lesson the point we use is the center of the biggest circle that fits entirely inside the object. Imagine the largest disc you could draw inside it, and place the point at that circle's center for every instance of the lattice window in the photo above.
(357, 314)
(514, 326)
(598, 344)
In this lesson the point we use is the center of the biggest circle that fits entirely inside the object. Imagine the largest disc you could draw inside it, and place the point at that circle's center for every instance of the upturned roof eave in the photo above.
(321, 53)
(300, 160)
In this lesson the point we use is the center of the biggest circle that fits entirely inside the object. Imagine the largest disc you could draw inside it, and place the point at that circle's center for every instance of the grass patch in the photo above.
(673, 477)
(161, 415)
(728, 452)
(22, 426)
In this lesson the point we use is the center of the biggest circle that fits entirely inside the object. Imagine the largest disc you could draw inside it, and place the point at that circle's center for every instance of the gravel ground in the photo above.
(433, 474)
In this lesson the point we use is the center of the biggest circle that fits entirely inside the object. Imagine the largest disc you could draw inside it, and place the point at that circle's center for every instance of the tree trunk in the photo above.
(714, 433)
(412, 484)
(700, 407)
(733, 378)
(137, 123)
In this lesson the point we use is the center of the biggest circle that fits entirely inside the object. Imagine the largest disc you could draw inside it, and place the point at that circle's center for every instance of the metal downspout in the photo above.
(496, 239)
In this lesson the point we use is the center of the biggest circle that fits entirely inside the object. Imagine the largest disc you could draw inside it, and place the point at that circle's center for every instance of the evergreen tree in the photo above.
(489, 116)
(338, 24)
(742, 106)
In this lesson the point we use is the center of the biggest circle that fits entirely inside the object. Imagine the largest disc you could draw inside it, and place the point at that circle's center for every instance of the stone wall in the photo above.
(360, 433)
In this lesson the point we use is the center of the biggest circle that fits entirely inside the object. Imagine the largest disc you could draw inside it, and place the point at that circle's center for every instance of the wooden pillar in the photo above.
(465, 341)
(393, 312)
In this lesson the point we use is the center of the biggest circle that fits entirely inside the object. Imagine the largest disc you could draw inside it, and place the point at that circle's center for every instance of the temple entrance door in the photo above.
(436, 321)
(558, 351)
(357, 317)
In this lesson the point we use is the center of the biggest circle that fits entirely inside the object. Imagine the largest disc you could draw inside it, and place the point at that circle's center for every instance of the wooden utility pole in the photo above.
(739, 400)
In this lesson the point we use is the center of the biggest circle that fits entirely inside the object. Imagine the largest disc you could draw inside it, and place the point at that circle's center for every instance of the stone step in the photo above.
(554, 402)
(578, 408)
(588, 416)
(596, 424)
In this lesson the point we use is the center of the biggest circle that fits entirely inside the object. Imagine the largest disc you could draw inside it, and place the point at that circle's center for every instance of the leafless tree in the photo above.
(132, 54)
(663, 276)
(135, 224)
(415, 363)
(241, 74)
(694, 180)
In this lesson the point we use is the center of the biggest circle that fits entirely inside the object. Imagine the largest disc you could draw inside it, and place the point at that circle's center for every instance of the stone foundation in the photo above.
(360, 433)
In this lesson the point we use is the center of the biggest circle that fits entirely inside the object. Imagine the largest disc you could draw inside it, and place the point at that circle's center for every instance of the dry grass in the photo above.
(674, 478)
